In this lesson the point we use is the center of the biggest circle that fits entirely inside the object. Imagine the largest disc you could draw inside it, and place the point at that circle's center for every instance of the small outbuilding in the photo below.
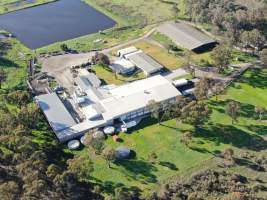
(123, 52)
(123, 66)
(144, 62)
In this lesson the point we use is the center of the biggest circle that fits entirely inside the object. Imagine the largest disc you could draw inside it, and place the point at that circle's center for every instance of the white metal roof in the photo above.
(144, 62)
(123, 52)
(55, 111)
(124, 64)
(136, 95)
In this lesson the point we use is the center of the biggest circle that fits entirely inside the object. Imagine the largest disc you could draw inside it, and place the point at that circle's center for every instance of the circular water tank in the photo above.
(73, 144)
(82, 139)
(109, 130)
(123, 152)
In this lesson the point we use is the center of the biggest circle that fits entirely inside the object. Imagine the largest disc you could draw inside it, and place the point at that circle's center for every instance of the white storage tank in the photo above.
(180, 82)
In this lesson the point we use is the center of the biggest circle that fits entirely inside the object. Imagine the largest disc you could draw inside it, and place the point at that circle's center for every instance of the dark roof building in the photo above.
(186, 36)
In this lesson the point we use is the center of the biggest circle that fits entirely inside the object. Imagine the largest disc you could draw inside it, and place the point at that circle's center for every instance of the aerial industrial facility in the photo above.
(99, 106)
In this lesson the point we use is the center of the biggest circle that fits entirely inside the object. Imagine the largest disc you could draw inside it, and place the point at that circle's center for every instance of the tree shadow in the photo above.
(249, 164)
(256, 78)
(169, 165)
(258, 129)
(7, 63)
(228, 134)
(138, 170)
(4, 47)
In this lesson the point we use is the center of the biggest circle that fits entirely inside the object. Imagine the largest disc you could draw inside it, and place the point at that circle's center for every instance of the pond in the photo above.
(58, 21)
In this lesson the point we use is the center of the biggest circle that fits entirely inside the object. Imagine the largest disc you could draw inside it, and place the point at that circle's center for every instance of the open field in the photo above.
(107, 75)
(14, 61)
(135, 12)
(174, 158)
(89, 42)
(12, 5)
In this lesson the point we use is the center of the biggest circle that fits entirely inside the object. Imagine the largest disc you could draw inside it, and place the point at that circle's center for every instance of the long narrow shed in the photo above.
(55, 112)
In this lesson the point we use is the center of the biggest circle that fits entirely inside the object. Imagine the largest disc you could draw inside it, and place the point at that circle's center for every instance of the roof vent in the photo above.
(146, 92)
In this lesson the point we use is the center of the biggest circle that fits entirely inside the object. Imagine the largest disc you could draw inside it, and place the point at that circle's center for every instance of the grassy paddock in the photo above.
(89, 42)
(135, 12)
(14, 61)
(107, 75)
(174, 158)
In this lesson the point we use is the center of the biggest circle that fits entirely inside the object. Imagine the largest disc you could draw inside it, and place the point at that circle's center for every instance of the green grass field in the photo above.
(174, 158)
(14, 61)
(13, 5)
(89, 42)
(107, 75)
(127, 12)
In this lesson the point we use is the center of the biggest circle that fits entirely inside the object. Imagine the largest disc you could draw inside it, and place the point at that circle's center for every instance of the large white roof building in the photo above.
(124, 102)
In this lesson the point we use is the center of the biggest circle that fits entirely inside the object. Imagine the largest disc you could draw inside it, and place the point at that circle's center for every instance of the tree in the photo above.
(3, 77)
(19, 97)
(96, 144)
(64, 47)
(195, 113)
(218, 88)
(202, 89)
(101, 59)
(228, 155)
(260, 111)
(186, 138)
(221, 56)
(81, 166)
(232, 109)
(257, 39)
(152, 157)
(52, 171)
(154, 108)
(109, 155)
(263, 57)
(9, 191)
(122, 194)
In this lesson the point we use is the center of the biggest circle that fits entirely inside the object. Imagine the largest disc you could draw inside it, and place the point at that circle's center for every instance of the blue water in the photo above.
(62, 20)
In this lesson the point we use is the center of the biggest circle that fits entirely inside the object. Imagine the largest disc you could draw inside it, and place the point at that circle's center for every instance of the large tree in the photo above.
(221, 56)
(233, 109)
(195, 113)
(109, 155)
(3, 76)
(263, 57)
(202, 89)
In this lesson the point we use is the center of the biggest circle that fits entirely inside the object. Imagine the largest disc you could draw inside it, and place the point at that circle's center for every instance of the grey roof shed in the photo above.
(185, 35)
(56, 113)
(88, 81)
(144, 62)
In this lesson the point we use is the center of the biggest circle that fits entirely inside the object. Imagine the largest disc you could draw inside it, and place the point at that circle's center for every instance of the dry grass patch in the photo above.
(161, 55)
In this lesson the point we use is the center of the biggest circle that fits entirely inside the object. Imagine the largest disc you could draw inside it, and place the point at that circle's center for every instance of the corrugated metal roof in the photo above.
(56, 113)
(144, 62)
(88, 81)
(185, 35)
